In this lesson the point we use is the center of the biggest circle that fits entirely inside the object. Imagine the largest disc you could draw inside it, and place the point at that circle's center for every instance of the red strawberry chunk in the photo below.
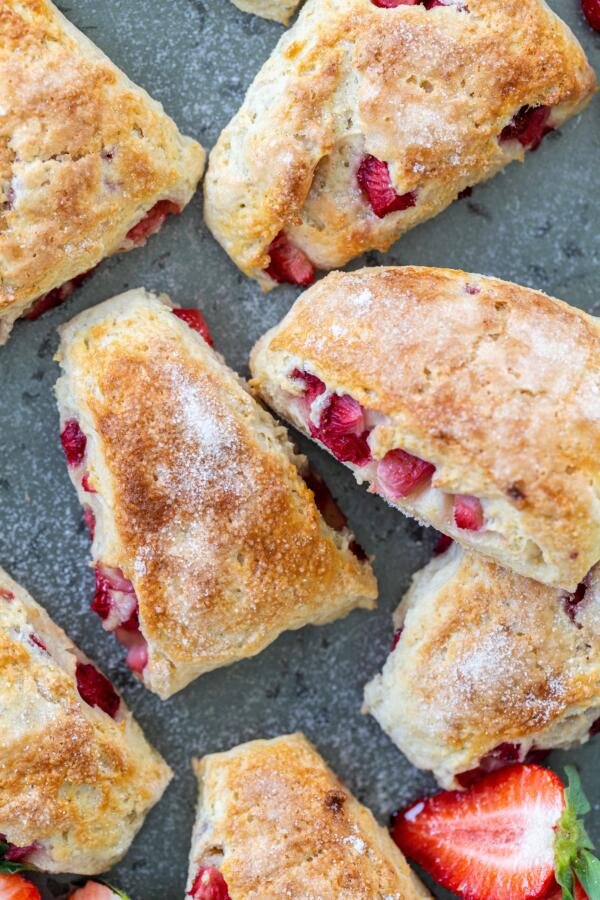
(443, 543)
(37, 642)
(468, 512)
(289, 264)
(115, 599)
(85, 484)
(96, 689)
(15, 887)
(152, 221)
(56, 296)
(495, 839)
(374, 179)
(591, 10)
(131, 637)
(6, 595)
(396, 638)
(74, 442)
(400, 473)
(196, 321)
(528, 127)
(16, 854)
(341, 429)
(209, 885)
(313, 386)
(572, 602)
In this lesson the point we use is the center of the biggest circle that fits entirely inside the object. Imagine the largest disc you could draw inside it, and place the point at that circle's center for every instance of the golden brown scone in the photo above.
(275, 821)
(204, 526)
(366, 121)
(278, 10)
(89, 163)
(77, 776)
(487, 668)
(471, 403)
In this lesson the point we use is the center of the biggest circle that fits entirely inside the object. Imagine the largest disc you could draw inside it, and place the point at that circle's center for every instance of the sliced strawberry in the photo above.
(152, 221)
(209, 885)
(96, 689)
(528, 127)
(468, 512)
(400, 473)
(15, 887)
(196, 321)
(74, 442)
(591, 10)
(374, 179)
(313, 386)
(289, 264)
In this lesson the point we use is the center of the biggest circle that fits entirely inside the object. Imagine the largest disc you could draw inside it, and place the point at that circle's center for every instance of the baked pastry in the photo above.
(77, 776)
(374, 115)
(89, 164)
(488, 668)
(278, 10)
(468, 402)
(208, 543)
(274, 821)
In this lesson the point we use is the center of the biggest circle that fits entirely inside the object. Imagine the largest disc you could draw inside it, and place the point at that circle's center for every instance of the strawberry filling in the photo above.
(468, 512)
(373, 177)
(289, 264)
(37, 642)
(400, 473)
(6, 595)
(152, 221)
(313, 386)
(196, 321)
(443, 543)
(428, 4)
(572, 602)
(96, 689)
(116, 603)
(73, 441)
(529, 127)
(14, 853)
(396, 638)
(503, 755)
(341, 429)
(330, 511)
(209, 884)
(56, 296)
(591, 10)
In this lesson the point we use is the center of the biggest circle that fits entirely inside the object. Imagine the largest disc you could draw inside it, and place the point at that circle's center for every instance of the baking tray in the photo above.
(537, 224)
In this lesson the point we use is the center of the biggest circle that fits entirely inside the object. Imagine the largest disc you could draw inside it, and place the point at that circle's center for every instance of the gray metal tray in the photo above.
(537, 224)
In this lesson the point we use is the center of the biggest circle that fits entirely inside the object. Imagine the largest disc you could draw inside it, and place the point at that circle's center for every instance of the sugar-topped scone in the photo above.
(470, 403)
(372, 116)
(89, 163)
(278, 10)
(77, 776)
(274, 821)
(208, 542)
(488, 668)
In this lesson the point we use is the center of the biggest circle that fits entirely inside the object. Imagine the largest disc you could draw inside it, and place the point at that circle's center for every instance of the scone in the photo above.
(278, 10)
(208, 543)
(488, 668)
(89, 164)
(468, 402)
(77, 776)
(374, 115)
(273, 821)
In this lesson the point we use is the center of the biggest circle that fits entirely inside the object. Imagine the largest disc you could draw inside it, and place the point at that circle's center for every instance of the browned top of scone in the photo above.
(288, 827)
(83, 152)
(496, 384)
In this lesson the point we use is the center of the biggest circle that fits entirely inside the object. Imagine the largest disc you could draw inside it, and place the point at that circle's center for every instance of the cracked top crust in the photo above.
(278, 823)
(84, 154)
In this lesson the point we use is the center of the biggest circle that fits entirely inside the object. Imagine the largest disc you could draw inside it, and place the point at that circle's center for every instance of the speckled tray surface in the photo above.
(537, 224)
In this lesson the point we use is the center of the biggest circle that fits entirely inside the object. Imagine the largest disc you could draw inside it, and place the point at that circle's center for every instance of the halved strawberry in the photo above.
(512, 836)
(400, 473)
(15, 887)
(528, 126)
(468, 512)
(578, 894)
(209, 885)
(74, 442)
(374, 179)
(152, 221)
(288, 263)
(591, 10)
(194, 318)
(96, 689)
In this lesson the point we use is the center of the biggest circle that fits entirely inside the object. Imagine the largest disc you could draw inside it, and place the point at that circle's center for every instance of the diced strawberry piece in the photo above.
(341, 430)
(38, 643)
(137, 655)
(313, 386)
(352, 448)
(443, 543)
(494, 840)
(92, 890)
(90, 520)
(374, 179)
(85, 484)
(196, 321)
(15, 887)
(115, 600)
(396, 638)
(400, 473)
(591, 10)
(468, 512)
(392, 4)
(152, 221)
(74, 442)
(6, 594)
(96, 689)
(209, 885)
(56, 296)
(289, 264)
(528, 127)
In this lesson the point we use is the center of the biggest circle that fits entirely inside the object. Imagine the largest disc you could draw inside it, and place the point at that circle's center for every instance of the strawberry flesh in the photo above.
(56, 296)
(85, 484)
(392, 4)
(468, 512)
(443, 543)
(74, 442)
(15, 887)
(6, 595)
(152, 221)
(196, 321)
(529, 127)
(400, 473)
(341, 429)
(503, 755)
(374, 179)
(572, 601)
(313, 386)
(591, 10)
(96, 689)
(289, 264)
(396, 638)
(209, 884)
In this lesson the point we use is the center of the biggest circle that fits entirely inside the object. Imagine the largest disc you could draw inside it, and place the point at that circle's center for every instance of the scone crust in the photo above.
(496, 384)
(202, 503)
(487, 657)
(278, 10)
(84, 154)
(427, 91)
(72, 779)
(279, 823)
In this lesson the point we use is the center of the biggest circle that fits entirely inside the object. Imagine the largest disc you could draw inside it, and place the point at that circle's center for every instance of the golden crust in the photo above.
(207, 513)
(278, 823)
(72, 780)
(84, 154)
(427, 91)
(487, 657)
(278, 10)
(494, 383)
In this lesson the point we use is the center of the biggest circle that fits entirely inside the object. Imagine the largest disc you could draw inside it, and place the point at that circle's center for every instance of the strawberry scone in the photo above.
(468, 402)
(90, 164)
(207, 540)
(77, 776)
(274, 821)
(278, 10)
(488, 668)
(371, 116)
